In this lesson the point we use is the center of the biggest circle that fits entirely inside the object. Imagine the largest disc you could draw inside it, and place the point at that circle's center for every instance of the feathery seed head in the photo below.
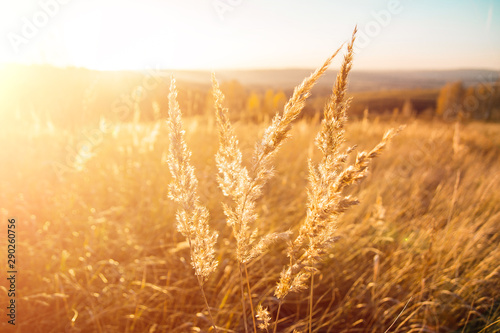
(192, 217)
(263, 317)
(327, 181)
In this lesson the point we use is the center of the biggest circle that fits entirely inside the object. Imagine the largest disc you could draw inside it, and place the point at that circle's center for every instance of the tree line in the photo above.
(74, 97)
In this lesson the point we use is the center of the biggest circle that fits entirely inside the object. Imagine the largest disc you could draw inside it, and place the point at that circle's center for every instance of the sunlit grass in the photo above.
(99, 250)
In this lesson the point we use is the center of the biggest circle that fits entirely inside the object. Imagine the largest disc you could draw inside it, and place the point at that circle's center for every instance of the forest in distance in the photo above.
(77, 96)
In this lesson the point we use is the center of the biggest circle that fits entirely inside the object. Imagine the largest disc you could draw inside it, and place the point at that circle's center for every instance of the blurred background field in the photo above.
(82, 169)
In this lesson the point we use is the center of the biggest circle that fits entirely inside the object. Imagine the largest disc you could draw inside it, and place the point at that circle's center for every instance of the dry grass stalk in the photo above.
(245, 187)
(192, 217)
(327, 180)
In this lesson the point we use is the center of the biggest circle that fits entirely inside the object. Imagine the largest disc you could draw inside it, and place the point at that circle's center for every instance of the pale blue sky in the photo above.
(194, 34)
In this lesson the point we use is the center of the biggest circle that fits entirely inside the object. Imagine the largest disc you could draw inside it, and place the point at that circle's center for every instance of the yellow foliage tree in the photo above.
(449, 103)
(253, 107)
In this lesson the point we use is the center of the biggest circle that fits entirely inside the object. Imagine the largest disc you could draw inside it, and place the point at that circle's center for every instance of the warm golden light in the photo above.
(241, 34)
(249, 166)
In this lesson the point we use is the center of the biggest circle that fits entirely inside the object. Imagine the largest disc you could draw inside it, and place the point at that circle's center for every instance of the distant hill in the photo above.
(286, 79)
(75, 96)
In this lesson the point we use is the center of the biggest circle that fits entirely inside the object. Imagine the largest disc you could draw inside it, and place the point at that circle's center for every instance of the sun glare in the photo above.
(127, 34)
(104, 38)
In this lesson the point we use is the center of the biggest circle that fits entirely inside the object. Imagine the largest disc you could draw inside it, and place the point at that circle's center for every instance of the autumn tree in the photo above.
(271, 103)
(279, 100)
(268, 107)
(482, 101)
(449, 103)
(407, 110)
(235, 100)
(236, 96)
(253, 109)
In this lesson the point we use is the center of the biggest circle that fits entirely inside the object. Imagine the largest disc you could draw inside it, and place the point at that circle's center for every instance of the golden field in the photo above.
(98, 249)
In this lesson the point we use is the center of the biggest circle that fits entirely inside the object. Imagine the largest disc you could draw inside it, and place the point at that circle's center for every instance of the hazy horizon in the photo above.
(243, 69)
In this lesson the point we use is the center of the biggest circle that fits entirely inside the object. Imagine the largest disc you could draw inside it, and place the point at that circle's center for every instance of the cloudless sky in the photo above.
(212, 34)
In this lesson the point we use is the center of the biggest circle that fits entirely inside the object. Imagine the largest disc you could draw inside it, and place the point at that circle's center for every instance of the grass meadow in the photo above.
(98, 249)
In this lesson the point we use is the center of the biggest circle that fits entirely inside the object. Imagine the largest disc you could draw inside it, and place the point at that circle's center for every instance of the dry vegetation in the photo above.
(99, 248)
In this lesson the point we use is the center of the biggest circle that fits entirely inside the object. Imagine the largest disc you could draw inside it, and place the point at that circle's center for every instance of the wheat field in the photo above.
(306, 235)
